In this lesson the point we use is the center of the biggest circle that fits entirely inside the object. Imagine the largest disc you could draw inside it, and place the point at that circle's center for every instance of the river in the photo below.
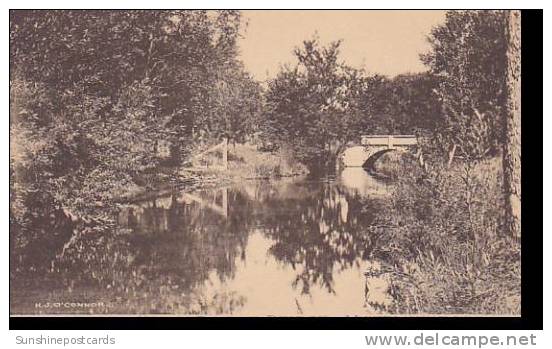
(288, 247)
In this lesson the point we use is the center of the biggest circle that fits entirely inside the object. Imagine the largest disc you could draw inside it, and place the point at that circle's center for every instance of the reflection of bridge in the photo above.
(373, 146)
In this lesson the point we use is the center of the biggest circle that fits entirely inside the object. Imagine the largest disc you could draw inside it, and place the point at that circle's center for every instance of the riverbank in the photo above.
(245, 162)
(449, 254)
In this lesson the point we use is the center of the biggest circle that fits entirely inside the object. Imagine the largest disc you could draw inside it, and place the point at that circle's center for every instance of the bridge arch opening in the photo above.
(369, 163)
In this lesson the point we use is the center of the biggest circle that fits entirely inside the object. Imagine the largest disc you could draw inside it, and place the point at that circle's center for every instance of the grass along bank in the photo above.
(247, 161)
(442, 242)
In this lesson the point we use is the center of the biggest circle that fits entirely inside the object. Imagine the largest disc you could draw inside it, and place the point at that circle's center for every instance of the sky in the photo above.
(384, 42)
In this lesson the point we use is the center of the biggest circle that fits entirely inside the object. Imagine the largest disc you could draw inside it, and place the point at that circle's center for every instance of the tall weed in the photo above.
(444, 244)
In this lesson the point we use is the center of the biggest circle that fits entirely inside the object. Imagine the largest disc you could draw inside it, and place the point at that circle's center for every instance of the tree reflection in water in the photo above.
(178, 244)
(322, 234)
(167, 254)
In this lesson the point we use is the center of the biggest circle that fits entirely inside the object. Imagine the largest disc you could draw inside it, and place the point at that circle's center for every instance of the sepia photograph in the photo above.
(265, 163)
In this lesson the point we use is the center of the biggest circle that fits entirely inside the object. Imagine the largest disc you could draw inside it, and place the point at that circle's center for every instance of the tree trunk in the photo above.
(512, 136)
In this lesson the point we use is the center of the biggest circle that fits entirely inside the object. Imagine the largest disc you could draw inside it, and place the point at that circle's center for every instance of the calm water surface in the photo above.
(289, 247)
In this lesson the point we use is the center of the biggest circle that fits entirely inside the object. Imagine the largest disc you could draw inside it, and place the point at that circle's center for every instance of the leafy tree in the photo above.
(313, 106)
(400, 105)
(236, 106)
(92, 93)
(468, 55)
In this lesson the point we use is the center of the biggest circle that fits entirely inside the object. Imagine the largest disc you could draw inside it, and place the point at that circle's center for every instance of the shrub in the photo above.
(444, 245)
(252, 162)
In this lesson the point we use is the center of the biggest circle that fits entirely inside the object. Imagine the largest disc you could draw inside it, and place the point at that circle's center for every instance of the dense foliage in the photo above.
(469, 56)
(444, 239)
(404, 104)
(441, 240)
(312, 107)
(321, 105)
(95, 95)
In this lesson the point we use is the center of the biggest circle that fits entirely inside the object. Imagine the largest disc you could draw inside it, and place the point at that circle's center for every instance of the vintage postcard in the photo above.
(258, 163)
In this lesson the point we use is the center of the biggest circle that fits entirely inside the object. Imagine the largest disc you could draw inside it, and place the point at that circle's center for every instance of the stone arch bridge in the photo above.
(372, 147)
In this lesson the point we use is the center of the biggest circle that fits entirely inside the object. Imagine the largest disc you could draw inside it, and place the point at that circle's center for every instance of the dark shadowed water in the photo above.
(285, 247)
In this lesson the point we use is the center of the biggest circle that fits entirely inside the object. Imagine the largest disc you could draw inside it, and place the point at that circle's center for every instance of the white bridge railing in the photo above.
(389, 140)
